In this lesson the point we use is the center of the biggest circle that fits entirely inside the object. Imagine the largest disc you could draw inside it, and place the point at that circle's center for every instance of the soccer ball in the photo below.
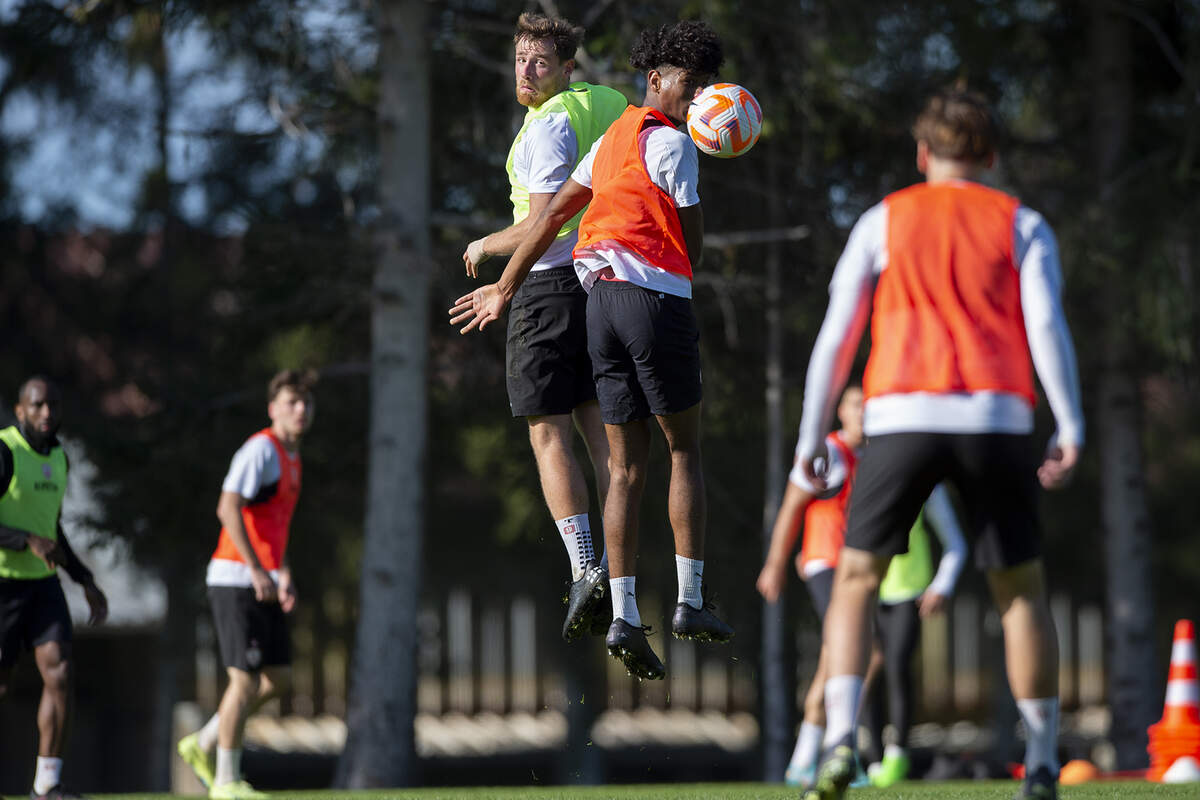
(724, 120)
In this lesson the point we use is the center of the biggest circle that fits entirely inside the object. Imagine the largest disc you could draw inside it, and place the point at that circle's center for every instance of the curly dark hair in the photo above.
(689, 45)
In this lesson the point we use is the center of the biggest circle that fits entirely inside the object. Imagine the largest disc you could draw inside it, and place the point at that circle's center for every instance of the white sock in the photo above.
(206, 737)
(894, 751)
(48, 774)
(624, 599)
(577, 537)
(1040, 716)
(229, 766)
(690, 574)
(808, 746)
(843, 693)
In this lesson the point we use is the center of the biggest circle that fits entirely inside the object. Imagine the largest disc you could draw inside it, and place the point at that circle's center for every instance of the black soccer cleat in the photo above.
(834, 775)
(699, 624)
(56, 793)
(1041, 785)
(585, 604)
(627, 643)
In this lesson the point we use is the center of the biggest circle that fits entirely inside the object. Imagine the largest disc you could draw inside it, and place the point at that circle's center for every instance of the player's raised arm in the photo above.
(487, 303)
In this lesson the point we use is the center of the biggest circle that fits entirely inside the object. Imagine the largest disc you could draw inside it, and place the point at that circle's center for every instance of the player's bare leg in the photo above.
(564, 487)
(54, 665)
(199, 748)
(848, 645)
(246, 692)
(629, 450)
(687, 508)
(1031, 657)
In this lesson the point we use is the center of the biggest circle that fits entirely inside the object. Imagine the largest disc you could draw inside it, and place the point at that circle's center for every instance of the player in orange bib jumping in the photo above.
(250, 584)
(962, 284)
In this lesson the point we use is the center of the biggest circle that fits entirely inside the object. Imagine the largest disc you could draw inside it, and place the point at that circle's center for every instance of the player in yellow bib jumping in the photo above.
(549, 374)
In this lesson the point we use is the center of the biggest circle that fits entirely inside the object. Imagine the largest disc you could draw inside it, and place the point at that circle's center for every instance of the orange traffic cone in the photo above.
(1177, 734)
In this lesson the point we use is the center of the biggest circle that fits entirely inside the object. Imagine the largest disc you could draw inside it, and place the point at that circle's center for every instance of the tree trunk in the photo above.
(776, 688)
(1132, 674)
(380, 748)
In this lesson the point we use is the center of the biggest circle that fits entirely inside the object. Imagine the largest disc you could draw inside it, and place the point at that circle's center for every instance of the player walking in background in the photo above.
(548, 373)
(639, 241)
(250, 585)
(965, 287)
(824, 536)
(33, 610)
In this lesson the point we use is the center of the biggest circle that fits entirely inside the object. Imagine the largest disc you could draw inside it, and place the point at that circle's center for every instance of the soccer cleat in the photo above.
(802, 777)
(834, 776)
(585, 602)
(194, 756)
(1041, 785)
(236, 790)
(627, 643)
(892, 769)
(699, 624)
(56, 793)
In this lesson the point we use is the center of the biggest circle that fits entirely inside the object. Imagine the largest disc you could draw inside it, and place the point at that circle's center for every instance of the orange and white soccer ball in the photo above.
(724, 120)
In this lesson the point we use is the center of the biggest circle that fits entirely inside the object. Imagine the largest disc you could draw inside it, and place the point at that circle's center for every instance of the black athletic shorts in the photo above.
(31, 613)
(645, 349)
(820, 589)
(547, 369)
(996, 476)
(252, 635)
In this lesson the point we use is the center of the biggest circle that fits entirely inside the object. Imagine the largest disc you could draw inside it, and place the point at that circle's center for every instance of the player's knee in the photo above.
(56, 677)
(550, 433)
(275, 682)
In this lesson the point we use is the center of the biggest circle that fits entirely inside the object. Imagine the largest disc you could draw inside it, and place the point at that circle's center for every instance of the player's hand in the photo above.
(1056, 471)
(475, 255)
(930, 603)
(47, 550)
(479, 308)
(264, 587)
(771, 580)
(815, 466)
(287, 593)
(97, 603)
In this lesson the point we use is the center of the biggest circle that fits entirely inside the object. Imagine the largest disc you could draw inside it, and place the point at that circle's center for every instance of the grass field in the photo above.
(973, 790)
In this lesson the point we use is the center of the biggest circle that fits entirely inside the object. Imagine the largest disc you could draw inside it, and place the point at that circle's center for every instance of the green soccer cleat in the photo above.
(835, 774)
(236, 790)
(893, 769)
(194, 756)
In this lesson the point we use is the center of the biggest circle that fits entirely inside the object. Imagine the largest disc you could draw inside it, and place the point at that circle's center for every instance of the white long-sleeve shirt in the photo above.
(851, 292)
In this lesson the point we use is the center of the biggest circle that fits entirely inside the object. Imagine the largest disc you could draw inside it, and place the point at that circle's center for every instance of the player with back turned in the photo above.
(639, 242)
(962, 285)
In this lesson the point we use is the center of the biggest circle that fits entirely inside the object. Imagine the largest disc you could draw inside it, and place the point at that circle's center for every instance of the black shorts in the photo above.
(820, 589)
(547, 369)
(252, 635)
(31, 613)
(995, 474)
(645, 349)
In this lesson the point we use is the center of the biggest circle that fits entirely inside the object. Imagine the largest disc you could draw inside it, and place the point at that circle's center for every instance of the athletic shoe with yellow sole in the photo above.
(834, 776)
(194, 756)
(236, 790)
